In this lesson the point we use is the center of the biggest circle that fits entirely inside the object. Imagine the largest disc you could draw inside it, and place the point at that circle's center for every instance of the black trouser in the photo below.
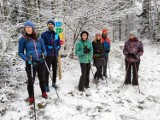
(51, 61)
(98, 73)
(135, 67)
(39, 68)
(84, 79)
(105, 67)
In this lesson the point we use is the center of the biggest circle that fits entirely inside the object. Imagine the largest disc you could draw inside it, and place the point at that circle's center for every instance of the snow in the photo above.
(110, 102)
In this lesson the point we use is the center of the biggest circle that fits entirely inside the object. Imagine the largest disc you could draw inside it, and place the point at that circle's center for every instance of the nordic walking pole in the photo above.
(33, 86)
(109, 69)
(49, 73)
(137, 76)
(126, 74)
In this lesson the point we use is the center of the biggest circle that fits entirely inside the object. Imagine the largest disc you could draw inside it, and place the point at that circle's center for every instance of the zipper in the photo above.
(35, 49)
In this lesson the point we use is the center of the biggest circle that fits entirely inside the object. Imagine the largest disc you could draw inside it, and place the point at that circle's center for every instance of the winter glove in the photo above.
(29, 62)
(131, 55)
(41, 60)
(57, 48)
(107, 51)
(50, 47)
(86, 50)
(35, 64)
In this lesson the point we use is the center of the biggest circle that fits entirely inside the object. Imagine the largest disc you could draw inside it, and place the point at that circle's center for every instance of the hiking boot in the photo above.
(44, 95)
(55, 86)
(31, 100)
(47, 89)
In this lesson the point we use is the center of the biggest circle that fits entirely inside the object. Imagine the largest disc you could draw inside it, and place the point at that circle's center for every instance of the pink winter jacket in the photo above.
(133, 46)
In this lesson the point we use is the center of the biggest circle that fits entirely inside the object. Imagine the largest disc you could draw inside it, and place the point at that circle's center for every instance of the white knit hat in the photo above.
(134, 32)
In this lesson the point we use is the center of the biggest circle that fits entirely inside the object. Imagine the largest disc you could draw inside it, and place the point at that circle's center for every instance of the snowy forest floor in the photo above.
(110, 102)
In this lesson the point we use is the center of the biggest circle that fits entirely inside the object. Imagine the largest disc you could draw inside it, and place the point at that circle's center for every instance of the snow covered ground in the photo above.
(108, 102)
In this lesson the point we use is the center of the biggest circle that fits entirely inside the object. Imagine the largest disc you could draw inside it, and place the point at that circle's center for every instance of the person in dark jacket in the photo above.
(107, 45)
(30, 45)
(52, 44)
(98, 56)
(133, 49)
(84, 51)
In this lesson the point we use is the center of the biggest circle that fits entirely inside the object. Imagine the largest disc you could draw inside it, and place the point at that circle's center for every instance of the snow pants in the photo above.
(105, 67)
(132, 66)
(51, 61)
(85, 77)
(39, 68)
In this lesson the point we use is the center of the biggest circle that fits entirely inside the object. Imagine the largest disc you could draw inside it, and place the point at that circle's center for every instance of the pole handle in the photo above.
(31, 57)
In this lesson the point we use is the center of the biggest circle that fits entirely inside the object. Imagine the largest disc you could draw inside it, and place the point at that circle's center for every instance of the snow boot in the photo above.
(44, 95)
(47, 89)
(31, 100)
(54, 86)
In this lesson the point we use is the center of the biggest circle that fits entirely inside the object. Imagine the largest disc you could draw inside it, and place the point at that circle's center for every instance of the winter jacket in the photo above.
(107, 45)
(133, 46)
(51, 39)
(98, 49)
(79, 51)
(31, 47)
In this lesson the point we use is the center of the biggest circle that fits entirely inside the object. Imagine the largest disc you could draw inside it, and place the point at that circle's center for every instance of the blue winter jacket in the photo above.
(51, 39)
(31, 47)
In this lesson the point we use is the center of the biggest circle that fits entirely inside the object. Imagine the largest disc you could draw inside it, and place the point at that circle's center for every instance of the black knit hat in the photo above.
(84, 32)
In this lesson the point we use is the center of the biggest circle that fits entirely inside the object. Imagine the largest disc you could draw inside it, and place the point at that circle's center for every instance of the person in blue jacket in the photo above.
(52, 44)
(30, 45)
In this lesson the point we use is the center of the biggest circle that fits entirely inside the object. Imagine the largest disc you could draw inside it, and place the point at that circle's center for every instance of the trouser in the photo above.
(105, 67)
(98, 73)
(85, 77)
(39, 68)
(51, 61)
(135, 67)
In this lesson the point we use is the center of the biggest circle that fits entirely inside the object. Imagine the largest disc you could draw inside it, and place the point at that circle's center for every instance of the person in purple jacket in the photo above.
(30, 45)
(133, 49)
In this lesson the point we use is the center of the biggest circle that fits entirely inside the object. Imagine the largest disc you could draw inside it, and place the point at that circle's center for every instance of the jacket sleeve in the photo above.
(21, 47)
(78, 51)
(140, 51)
(43, 47)
(44, 39)
(125, 52)
(91, 49)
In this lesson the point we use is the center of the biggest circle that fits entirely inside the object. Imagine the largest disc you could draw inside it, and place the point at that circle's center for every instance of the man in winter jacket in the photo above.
(133, 49)
(31, 48)
(52, 44)
(84, 51)
(107, 44)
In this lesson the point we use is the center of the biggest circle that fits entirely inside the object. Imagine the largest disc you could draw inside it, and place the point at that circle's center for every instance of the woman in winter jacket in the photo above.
(98, 55)
(31, 48)
(84, 51)
(133, 49)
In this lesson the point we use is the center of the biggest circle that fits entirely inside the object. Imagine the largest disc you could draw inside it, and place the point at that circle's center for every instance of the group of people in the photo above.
(36, 51)
(41, 53)
(98, 50)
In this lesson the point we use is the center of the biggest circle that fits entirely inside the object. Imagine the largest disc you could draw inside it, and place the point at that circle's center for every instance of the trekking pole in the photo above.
(137, 76)
(50, 74)
(126, 74)
(92, 71)
(33, 86)
(109, 69)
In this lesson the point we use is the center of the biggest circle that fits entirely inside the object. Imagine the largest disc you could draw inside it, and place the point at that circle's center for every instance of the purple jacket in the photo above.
(133, 46)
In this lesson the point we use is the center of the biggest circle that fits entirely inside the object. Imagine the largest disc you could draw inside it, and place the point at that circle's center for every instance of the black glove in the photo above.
(107, 51)
(132, 55)
(86, 50)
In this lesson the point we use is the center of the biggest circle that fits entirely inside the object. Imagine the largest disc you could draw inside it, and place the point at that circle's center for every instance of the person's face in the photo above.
(50, 26)
(28, 30)
(131, 36)
(98, 36)
(105, 34)
(84, 36)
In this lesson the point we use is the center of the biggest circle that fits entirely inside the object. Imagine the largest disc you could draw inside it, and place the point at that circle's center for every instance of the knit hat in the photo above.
(104, 30)
(51, 21)
(134, 32)
(29, 23)
(84, 32)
